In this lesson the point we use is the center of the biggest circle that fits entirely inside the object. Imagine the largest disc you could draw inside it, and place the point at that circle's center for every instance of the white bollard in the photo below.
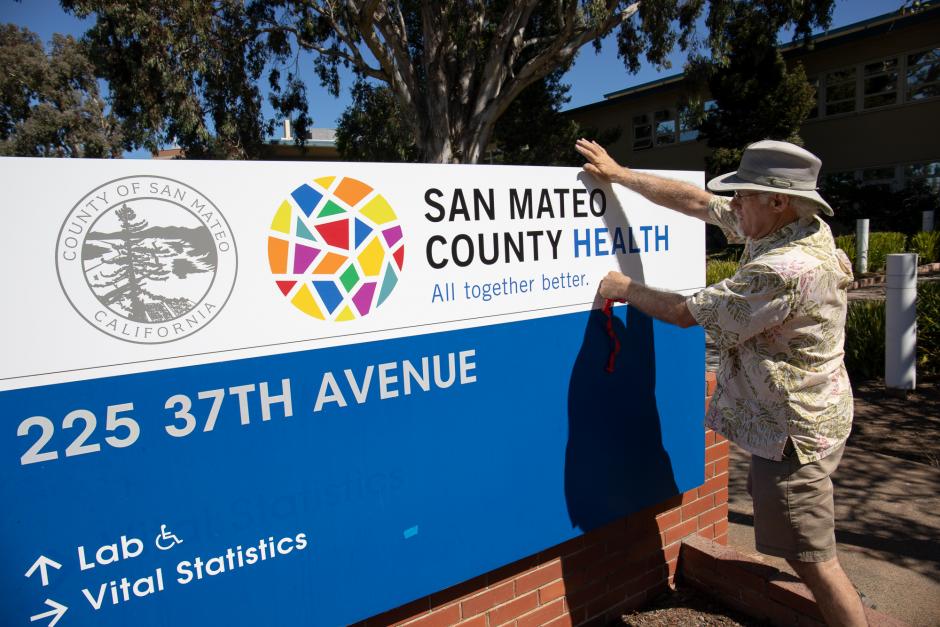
(927, 221)
(861, 245)
(901, 322)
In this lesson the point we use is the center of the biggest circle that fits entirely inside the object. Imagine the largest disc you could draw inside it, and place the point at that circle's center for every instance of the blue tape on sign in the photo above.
(275, 490)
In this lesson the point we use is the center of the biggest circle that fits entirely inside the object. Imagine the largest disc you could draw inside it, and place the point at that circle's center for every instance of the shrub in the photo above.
(882, 244)
(865, 339)
(926, 245)
(928, 327)
(847, 244)
(730, 252)
(865, 335)
(717, 270)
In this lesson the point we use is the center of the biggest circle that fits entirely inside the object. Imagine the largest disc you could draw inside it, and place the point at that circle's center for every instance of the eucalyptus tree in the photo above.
(191, 70)
(50, 105)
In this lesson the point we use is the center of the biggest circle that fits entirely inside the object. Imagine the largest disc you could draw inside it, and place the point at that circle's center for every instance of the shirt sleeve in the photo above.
(721, 215)
(736, 309)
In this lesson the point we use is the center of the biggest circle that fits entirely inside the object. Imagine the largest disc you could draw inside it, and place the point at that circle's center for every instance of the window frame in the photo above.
(902, 86)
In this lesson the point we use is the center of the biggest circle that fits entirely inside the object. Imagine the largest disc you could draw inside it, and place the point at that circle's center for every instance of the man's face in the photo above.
(756, 216)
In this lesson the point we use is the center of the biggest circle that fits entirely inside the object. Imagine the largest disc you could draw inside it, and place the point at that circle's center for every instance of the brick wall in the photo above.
(593, 578)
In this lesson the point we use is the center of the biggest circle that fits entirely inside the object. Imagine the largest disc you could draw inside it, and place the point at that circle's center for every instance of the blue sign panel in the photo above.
(325, 486)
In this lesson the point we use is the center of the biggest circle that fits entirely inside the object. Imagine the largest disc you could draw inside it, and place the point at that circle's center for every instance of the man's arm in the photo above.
(676, 195)
(666, 306)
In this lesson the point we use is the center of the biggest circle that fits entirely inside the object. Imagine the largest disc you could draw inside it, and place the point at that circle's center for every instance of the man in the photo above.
(783, 393)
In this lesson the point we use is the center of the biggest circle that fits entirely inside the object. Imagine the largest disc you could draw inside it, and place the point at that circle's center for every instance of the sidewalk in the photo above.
(887, 527)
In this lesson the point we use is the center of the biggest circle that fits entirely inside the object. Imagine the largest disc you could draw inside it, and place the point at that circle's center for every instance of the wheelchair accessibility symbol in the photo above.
(166, 540)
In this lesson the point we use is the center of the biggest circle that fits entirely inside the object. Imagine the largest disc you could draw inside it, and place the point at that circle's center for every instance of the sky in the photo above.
(591, 76)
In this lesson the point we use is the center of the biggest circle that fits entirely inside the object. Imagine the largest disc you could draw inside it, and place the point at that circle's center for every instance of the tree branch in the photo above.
(493, 101)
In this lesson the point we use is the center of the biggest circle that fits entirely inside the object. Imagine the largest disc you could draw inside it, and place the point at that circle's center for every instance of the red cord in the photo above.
(614, 340)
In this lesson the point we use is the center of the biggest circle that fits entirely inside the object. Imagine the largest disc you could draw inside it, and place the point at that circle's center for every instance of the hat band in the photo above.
(776, 181)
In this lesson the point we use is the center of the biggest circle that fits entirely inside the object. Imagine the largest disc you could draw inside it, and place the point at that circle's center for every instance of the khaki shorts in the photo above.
(793, 511)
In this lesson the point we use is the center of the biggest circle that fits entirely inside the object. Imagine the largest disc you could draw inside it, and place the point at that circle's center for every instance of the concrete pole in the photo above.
(901, 322)
(861, 245)
(927, 223)
(287, 136)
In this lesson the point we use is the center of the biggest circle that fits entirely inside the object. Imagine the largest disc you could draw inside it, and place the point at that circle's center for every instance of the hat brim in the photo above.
(731, 182)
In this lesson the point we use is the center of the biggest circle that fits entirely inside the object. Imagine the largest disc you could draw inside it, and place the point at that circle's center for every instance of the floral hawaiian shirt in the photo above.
(779, 325)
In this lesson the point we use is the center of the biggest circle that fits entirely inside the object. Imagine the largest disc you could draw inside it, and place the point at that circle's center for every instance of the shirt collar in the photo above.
(781, 237)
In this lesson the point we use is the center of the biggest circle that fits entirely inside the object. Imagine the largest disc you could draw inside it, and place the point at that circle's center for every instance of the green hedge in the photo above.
(865, 339)
(847, 244)
(926, 245)
(717, 270)
(880, 245)
(928, 327)
(865, 335)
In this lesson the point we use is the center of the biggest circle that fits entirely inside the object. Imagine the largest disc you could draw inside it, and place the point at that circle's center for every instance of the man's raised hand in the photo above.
(599, 163)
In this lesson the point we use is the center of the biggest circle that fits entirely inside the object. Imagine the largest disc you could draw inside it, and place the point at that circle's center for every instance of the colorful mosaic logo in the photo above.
(336, 248)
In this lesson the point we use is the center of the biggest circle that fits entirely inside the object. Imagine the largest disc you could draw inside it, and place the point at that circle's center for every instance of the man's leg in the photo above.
(794, 519)
(836, 597)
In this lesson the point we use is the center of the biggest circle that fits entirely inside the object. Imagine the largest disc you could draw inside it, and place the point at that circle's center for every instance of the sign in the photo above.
(305, 393)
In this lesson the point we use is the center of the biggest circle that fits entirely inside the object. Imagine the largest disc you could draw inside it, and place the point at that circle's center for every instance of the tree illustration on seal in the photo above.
(135, 264)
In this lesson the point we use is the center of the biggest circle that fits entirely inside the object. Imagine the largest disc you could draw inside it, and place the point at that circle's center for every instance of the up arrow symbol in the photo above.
(58, 610)
(42, 564)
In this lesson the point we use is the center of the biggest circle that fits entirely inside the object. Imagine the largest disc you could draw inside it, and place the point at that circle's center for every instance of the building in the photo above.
(877, 115)
(319, 146)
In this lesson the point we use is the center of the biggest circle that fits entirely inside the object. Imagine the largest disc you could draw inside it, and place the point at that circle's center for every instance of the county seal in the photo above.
(146, 259)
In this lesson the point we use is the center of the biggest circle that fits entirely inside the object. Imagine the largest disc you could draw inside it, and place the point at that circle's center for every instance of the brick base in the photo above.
(594, 578)
(748, 584)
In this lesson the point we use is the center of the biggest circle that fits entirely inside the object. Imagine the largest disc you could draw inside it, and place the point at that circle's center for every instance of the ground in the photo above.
(907, 427)
(687, 607)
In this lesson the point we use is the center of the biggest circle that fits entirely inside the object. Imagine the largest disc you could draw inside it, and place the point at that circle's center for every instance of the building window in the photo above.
(923, 74)
(928, 173)
(880, 86)
(689, 120)
(840, 91)
(835, 180)
(642, 132)
(665, 127)
(881, 178)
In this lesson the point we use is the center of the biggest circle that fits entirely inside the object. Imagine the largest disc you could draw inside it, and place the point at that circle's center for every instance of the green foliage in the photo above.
(190, 71)
(865, 339)
(728, 252)
(880, 245)
(865, 334)
(928, 327)
(757, 96)
(531, 132)
(49, 102)
(846, 243)
(717, 270)
(373, 127)
(926, 245)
